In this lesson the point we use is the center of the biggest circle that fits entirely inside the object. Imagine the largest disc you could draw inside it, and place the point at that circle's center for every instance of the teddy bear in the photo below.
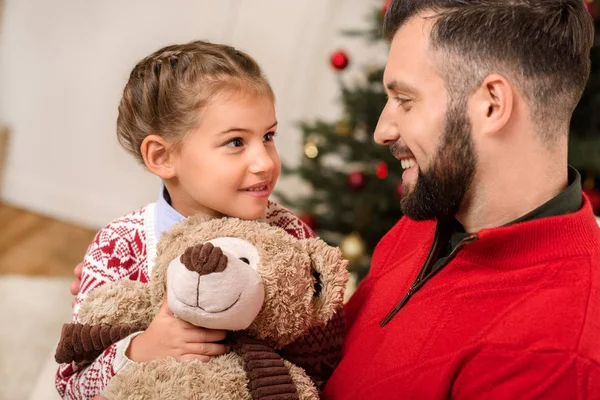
(253, 279)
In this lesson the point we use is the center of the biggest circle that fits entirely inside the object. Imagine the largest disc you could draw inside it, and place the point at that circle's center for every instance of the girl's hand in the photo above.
(169, 336)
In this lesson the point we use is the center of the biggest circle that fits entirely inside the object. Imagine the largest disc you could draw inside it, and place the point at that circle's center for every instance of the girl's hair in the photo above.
(167, 90)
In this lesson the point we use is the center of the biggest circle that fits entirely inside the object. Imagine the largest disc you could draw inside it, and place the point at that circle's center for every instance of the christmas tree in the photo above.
(355, 198)
(584, 146)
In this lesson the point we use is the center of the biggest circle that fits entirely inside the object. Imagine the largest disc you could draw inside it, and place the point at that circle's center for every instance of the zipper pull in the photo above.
(395, 310)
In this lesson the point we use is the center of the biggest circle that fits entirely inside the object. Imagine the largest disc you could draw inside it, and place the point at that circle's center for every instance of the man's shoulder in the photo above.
(559, 315)
(408, 233)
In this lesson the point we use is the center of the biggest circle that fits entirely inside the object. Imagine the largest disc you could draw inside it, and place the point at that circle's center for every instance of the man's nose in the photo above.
(386, 131)
(204, 258)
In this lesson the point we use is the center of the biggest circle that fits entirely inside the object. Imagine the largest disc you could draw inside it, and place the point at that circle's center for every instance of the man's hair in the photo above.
(541, 46)
(168, 89)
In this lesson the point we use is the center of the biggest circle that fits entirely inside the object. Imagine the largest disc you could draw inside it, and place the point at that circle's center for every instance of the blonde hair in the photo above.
(167, 90)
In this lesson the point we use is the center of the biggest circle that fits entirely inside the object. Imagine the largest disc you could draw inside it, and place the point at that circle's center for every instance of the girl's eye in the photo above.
(235, 142)
(269, 136)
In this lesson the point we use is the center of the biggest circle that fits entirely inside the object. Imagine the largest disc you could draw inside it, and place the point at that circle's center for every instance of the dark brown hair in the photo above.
(167, 90)
(541, 46)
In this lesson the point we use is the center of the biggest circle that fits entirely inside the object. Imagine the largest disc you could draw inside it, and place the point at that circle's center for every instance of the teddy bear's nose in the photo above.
(204, 258)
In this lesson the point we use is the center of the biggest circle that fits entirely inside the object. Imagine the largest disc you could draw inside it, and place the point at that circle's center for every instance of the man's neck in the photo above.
(510, 193)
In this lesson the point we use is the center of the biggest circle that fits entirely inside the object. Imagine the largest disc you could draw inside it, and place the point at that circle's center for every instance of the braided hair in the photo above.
(167, 90)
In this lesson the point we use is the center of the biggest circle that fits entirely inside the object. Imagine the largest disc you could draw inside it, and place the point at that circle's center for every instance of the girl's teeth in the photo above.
(257, 189)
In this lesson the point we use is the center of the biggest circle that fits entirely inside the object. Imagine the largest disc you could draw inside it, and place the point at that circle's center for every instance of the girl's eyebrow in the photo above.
(234, 129)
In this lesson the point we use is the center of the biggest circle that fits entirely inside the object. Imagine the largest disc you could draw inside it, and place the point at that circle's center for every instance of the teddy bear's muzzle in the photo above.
(215, 284)
(204, 259)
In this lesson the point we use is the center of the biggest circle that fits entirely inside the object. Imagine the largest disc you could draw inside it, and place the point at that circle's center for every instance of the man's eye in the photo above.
(401, 101)
(236, 142)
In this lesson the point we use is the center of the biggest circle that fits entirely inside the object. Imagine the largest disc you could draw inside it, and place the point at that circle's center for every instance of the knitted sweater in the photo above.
(126, 249)
(514, 314)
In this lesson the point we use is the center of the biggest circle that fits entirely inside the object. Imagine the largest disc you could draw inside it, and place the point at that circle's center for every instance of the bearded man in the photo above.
(489, 287)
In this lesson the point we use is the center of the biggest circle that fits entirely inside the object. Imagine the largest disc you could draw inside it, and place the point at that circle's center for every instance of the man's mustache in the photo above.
(400, 151)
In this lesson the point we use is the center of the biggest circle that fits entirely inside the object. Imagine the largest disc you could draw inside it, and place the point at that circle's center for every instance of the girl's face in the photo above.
(228, 165)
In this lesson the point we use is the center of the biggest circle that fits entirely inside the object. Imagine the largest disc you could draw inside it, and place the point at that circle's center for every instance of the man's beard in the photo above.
(440, 190)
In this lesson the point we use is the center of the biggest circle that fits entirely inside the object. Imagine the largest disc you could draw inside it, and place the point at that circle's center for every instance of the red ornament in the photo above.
(386, 5)
(381, 170)
(590, 7)
(309, 220)
(399, 189)
(356, 180)
(339, 60)
(594, 198)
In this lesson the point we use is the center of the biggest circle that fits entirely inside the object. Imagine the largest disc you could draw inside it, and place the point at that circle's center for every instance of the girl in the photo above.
(200, 116)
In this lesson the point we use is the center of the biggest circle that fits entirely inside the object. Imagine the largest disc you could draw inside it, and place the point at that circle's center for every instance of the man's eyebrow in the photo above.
(397, 86)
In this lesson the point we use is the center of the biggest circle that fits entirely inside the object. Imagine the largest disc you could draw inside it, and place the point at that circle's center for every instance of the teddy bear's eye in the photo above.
(318, 286)
(244, 259)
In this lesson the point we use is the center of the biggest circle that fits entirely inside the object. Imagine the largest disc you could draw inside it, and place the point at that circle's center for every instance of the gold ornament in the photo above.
(311, 150)
(589, 182)
(352, 246)
(343, 127)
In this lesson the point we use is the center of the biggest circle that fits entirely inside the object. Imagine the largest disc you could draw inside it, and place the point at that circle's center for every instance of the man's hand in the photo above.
(169, 336)
(76, 284)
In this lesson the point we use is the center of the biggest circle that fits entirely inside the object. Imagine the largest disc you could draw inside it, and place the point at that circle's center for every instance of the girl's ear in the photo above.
(158, 154)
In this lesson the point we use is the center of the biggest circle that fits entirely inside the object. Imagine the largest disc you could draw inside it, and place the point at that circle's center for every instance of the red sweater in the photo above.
(515, 315)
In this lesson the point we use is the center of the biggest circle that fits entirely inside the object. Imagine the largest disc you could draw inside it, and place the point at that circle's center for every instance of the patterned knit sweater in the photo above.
(126, 249)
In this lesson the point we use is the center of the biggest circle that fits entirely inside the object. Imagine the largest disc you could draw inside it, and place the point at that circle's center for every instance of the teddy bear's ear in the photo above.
(331, 275)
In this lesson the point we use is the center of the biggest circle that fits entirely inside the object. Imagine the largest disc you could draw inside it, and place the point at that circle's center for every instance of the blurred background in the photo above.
(63, 65)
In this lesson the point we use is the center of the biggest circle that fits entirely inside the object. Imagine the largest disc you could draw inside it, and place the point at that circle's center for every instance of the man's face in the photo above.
(431, 137)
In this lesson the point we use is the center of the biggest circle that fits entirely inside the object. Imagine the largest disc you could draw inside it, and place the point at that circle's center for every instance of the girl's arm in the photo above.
(117, 252)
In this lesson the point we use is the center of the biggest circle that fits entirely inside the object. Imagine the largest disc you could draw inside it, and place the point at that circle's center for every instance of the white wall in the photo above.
(63, 65)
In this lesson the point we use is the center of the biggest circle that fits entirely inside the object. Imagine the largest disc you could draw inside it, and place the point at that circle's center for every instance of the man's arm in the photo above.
(497, 372)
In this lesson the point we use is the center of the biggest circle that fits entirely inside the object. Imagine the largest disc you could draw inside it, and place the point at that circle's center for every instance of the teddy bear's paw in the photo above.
(86, 342)
(304, 385)
(223, 378)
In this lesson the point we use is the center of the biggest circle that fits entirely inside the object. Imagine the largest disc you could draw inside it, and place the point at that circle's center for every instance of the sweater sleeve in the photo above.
(498, 373)
(117, 252)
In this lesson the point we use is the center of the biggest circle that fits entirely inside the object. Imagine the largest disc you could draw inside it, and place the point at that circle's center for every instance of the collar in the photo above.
(165, 216)
(536, 241)
(566, 202)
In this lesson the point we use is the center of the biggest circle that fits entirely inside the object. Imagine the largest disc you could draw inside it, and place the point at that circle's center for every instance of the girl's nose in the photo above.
(261, 161)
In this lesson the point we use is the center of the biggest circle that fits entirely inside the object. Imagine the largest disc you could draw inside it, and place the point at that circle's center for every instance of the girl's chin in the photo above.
(256, 211)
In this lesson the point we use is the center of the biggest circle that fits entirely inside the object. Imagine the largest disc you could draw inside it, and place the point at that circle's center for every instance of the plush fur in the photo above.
(223, 378)
(291, 270)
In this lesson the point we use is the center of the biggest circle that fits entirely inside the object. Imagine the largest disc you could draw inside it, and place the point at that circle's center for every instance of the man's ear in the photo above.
(492, 104)
(158, 156)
